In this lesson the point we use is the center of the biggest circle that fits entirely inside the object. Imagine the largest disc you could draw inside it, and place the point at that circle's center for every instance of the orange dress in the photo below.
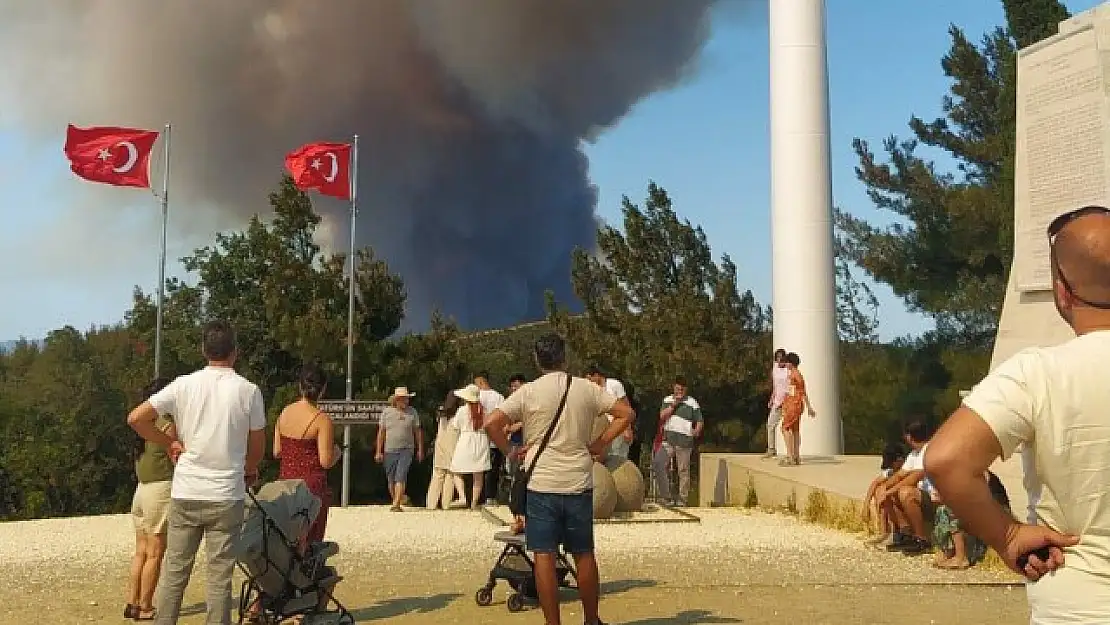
(794, 403)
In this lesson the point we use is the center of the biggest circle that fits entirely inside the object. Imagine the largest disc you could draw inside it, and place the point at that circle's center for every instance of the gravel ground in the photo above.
(424, 567)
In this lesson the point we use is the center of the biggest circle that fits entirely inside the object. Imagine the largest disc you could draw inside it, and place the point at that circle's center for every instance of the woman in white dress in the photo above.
(472, 450)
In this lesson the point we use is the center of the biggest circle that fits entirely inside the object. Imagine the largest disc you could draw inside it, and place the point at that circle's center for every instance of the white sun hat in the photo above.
(469, 393)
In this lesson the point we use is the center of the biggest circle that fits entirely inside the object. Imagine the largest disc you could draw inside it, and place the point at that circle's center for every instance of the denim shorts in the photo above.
(397, 465)
(553, 519)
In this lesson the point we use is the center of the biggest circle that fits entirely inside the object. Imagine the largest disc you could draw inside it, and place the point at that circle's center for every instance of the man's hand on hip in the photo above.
(1023, 539)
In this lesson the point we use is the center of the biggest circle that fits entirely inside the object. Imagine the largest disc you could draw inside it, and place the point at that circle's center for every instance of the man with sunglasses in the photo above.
(1055, 403)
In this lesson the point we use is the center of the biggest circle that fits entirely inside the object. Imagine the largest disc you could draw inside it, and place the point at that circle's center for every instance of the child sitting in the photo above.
(872, 514)
(956, 549)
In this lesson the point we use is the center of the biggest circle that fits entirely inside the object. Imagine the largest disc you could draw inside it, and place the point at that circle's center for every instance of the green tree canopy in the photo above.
(948, 253)
(286, 299)
(657, 305)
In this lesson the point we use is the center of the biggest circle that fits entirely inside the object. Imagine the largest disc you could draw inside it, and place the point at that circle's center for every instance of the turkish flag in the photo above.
(324, 167)
(111, 155)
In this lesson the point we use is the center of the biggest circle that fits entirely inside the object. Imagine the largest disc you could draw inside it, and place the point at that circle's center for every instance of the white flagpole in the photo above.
(350, 322)
(162, 252)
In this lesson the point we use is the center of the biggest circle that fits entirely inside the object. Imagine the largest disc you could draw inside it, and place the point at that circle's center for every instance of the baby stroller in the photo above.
(282, 582)
(518, 569)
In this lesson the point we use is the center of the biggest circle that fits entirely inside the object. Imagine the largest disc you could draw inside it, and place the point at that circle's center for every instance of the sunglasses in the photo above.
(1054, 228)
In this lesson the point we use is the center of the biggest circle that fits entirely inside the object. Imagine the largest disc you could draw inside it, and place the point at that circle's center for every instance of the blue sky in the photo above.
(706, 141)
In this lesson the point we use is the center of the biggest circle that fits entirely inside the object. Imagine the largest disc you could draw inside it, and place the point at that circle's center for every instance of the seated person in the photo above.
(958, 550)
(902, 498)
(873, 514)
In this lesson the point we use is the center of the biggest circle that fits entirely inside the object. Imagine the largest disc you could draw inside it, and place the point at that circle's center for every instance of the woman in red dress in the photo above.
(304, 443)
(792, 407)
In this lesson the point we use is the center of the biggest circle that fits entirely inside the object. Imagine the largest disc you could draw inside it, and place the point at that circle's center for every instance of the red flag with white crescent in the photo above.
(111, 155)
(323, 167)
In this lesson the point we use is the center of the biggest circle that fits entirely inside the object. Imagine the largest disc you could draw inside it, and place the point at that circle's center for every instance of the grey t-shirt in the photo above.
(400, 428)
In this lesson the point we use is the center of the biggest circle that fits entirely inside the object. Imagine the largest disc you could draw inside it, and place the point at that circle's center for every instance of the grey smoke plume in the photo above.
(471, 114)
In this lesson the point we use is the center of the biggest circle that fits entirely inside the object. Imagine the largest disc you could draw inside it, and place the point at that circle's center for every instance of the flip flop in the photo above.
(144, 615)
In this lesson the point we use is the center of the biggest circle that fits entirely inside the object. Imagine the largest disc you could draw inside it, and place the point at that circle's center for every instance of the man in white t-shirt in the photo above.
(1054, 402)
(618, 449)
(780, 385)
(491, 400)
(221, 427)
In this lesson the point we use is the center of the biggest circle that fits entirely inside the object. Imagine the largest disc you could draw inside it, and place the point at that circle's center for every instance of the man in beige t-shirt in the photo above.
(560, 494)
(1054, 401)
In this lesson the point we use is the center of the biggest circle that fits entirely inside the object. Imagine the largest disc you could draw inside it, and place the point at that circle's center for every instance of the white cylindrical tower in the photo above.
(804, 289)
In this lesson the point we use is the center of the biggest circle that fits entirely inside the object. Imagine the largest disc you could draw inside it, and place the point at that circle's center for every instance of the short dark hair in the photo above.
(484, 374)
(793, 359)
(780, 353)
(312, 381)
(594, 370)
(916, 430)
(680, 380)
(892, 453)
(218, 342)
(517, 377)
(551, 352)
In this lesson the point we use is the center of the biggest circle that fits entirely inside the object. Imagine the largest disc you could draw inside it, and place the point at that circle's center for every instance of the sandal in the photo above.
(144, 615)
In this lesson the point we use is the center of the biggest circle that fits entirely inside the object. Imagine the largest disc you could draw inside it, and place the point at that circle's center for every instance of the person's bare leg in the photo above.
(894, 512)
(910, 504)
(959, 560)
(788, 438)
(796, 446)
(134, 577)
(460, 490)
(879, 522)
(398, 494)
(547, 587)
(152, 568)
(476, 489)
(589, 585)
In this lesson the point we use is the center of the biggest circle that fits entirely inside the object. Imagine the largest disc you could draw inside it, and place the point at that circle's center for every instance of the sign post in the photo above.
(348, 412)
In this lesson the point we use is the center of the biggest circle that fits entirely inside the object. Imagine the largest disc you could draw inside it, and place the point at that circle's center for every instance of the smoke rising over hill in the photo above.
(470, 113)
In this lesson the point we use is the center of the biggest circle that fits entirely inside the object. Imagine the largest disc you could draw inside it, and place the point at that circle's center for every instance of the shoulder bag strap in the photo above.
(550, 429)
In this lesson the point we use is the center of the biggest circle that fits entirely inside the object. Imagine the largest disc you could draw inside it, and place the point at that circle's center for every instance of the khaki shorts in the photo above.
(151, 506)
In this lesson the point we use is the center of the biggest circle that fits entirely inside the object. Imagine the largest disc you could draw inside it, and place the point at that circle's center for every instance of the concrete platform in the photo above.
(726, 479)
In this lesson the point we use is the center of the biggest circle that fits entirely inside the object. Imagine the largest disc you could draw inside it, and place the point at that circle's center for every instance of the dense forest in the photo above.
(655, 302)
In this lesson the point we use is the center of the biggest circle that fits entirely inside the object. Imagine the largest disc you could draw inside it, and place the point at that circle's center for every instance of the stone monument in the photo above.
(605, 492)
(618, 485)
(1062, 162)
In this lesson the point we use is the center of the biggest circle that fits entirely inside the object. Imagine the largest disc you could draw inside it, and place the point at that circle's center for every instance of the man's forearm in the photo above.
(498, 437)
(908, 478)
(150, 432)
(614, 430)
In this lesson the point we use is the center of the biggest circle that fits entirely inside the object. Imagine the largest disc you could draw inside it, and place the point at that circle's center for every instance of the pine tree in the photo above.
(952, 259)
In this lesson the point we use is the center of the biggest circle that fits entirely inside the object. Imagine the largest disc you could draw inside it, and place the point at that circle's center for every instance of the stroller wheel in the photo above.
(516, 602)
(484, 596)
